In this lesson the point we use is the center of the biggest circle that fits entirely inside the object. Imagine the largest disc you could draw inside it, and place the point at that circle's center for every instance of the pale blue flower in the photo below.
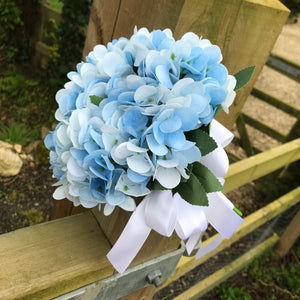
(124, 114)
(98, 165)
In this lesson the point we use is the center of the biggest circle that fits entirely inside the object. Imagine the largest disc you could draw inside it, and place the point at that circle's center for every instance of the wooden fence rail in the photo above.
(251, 223)
(42, 50)
(53, 258)
(220, 276)
(291, 70)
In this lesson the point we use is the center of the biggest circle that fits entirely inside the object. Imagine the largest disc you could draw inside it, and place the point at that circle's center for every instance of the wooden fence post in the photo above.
(245, 30)
(289, 237)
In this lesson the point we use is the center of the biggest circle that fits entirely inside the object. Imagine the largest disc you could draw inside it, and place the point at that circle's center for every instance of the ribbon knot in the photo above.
(164, 213)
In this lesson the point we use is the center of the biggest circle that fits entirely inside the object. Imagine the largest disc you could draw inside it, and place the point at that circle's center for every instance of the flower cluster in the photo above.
(124, 115)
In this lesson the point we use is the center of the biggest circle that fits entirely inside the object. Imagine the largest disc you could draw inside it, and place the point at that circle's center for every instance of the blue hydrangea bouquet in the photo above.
(137, 120)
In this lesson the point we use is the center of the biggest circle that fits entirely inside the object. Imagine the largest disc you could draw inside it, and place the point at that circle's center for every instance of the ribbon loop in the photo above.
(164, 219)
(164, 213)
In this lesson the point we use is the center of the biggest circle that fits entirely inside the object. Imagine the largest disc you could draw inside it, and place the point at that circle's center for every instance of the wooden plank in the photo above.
(238, 142)
(279, 136)
(50, 13)
(295, 131)
(53, 258)
(254, 167)
(251, 223)
(289, 237)
(284, 66)
(278, 103)
(220, 276)
(155, 245)
(244, 30)
(101, 24)
(114, 19)
(152, 14)
(244, 137)
(43, 49)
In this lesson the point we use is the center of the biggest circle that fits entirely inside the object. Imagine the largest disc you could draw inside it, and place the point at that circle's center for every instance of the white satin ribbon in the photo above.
(164, 213)
(170, 212)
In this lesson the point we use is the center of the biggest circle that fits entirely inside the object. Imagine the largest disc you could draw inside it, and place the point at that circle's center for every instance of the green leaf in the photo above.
(219, 108)
(204, 142)
(156, 186)
(242, 77)
(192, 191)
(207, 178)
(96, 99)
(206, 129)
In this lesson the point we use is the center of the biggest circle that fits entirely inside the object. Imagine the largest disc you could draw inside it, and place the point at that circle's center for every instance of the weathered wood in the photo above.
(261, 164)
(101, 24)
(289, 237)
(50, 259)
(70, 252)
(220, 276)
(278, 103)
(251, 223)
(244, 30)
(152, 14)
(156, 245)
(275, 134)
(114, 19)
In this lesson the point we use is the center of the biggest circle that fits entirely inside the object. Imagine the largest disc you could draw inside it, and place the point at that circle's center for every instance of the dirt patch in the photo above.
(26, 199)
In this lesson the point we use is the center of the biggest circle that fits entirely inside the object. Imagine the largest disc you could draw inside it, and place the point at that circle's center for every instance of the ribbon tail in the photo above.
(210, 247)
(221, 216)
(192, 242)
(130, 241)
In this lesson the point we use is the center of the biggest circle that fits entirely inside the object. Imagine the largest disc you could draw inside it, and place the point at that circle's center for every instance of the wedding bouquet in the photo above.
(137, 120)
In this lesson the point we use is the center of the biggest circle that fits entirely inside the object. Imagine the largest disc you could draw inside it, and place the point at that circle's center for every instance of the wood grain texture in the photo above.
(49, 259)
(254, 167)
(155, 245)
(153, 14)
(245, 30)
(101, 24)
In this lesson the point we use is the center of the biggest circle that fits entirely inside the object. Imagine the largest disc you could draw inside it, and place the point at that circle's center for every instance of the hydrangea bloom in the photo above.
(124, 115)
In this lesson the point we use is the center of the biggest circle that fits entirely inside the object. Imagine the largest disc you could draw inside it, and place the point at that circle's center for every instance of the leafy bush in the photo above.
(232, 293)
(16, 133)
(10, 19)
(18, 19)
(67, 51)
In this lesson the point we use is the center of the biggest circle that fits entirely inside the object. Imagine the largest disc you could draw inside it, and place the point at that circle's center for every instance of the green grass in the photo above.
(232, 293)
(56, 4)
(17, 133)
(266, 276)
(27, 103)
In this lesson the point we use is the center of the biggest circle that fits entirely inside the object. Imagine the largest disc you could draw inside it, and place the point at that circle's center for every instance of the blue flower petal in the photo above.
(175, 139)
(216, 93)
(219, 72)
(171, 124)
(155, 147)
(188, 118)
(162, 74)
(135, 177)
(158, 135)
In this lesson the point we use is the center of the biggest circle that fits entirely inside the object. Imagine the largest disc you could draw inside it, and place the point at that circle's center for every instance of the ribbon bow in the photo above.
(163, 212)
